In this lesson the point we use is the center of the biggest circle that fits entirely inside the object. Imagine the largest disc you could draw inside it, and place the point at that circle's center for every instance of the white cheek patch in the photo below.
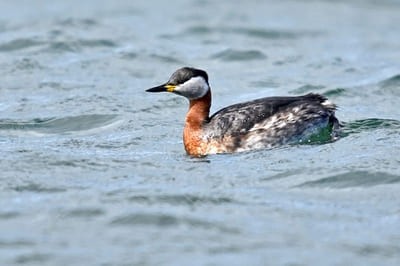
(194, 88)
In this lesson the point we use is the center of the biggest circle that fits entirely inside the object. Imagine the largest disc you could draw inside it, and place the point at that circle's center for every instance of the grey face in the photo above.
(189, 82)
(192, 89)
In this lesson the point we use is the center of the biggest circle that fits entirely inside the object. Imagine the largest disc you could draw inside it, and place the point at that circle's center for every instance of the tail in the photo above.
(322, 100)
(331, 108)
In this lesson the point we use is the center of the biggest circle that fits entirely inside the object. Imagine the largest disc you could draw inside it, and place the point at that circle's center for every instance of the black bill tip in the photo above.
(160, 88)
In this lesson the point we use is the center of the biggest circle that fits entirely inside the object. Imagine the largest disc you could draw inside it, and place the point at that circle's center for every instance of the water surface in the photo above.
(93, 170)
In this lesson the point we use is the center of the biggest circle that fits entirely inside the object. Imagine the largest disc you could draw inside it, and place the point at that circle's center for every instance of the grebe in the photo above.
(258, 124)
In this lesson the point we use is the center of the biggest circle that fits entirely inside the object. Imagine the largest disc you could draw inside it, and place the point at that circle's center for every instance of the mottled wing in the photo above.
(265, 113)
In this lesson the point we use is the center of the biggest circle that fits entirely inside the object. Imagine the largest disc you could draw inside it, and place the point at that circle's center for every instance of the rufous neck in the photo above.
(199, 110)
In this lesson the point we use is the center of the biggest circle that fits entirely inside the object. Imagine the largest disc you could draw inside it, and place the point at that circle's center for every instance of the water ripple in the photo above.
(261, 33)
(84, 212)
(330, 93)
(180, 199)
(307, 88)
(77, 45)
(38, 188)
(52, 45)
(96, 43)
(362, 125)
(16, 243)
(9, 215)
(392, 81)
(334, 92)
(33, 258)
(163, 220)
(59, 125)
(239, 55)
(374, 249)
(59, 46)
(353, 179)
(391, 85)
(27, 64)
(19, 44)
(165, 58)
(75, 22)
(266, 33)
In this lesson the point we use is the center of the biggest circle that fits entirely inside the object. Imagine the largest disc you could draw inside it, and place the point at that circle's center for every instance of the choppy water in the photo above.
(93, 170)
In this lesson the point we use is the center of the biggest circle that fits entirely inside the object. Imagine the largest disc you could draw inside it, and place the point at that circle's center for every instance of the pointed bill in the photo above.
(162, 88)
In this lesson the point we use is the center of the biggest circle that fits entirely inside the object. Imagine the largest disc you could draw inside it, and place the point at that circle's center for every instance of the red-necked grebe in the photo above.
(258, 124)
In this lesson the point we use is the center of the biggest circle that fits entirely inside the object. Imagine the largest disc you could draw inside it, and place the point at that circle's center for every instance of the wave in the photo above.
(62, 125)
(253, 32)
(83, 212)
(330, 93)
(334, 92)
(166, 59)
(77, 22)
(307, 88)
(392, 81)
(239, 55)
(167, 220)
(353, 179)
(77, 45)
(358, 126)
(52, 46)
(19, 44)
(32, 187)
(391, 85)
(180, 199)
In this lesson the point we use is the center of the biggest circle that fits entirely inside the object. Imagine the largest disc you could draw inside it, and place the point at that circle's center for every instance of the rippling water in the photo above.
(93, 170)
